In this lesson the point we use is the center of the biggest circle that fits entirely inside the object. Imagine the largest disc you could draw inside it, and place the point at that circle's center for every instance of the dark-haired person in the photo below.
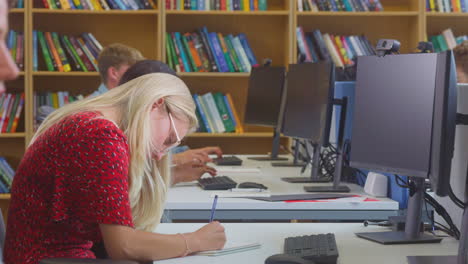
(461, 59)
(8, 69)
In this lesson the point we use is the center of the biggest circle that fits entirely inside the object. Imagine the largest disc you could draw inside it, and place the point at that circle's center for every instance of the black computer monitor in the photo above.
(308, 109)
(263, 102)
(404, 124)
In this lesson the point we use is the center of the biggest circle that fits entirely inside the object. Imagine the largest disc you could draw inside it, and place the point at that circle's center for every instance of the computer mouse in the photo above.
(251, 185)
(286, 259)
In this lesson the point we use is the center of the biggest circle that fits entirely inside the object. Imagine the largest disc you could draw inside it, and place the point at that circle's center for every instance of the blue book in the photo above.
(211, 47)
(8, 169)
(231, 114)
(248, 50)
(333, 5)
(11, 37)
(202, 113)
(112, 4)
(348, 6)
(231, 5)
(201, 5)
(252, 5)
(35, 62)
(311, 47)
(20, 4)
(182, 52)
(463, 5)
(72, 5)
(351, 47)
(121, 5)
(218, 52)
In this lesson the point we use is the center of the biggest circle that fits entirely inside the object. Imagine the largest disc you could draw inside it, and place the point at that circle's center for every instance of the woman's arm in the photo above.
(123, 242)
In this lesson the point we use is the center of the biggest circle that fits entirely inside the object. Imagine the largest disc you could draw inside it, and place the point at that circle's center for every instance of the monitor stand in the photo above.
(274, 150)
(315, 176)
(296, 162)
(336, 187)
(462, 257)
(412, 233)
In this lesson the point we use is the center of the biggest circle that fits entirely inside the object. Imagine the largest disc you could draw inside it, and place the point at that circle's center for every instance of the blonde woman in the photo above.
(97, 170)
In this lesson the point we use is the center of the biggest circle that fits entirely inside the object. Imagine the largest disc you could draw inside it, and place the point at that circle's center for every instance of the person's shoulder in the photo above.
(92, 124)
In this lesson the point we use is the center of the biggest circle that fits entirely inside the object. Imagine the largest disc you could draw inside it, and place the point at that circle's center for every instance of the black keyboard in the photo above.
(320, 248)
(228, 161)
(217, 183)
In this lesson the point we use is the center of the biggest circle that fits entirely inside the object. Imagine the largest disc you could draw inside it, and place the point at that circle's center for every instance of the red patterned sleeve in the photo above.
(92, 182)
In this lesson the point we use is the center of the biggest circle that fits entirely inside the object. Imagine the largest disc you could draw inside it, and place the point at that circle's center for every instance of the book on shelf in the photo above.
(15, 44)
(340, 5)
(216, 113)
(446, 40)
(221, 5)
(19, 4)
(315, 46)
(54, 99)
(64, 53)
(11, 108)
(204, 51)
(98, 5)
(6, 176)
(447, 6)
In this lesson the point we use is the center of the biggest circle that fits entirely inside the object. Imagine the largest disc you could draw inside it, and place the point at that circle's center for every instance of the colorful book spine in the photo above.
(45, 51)
(202, 113)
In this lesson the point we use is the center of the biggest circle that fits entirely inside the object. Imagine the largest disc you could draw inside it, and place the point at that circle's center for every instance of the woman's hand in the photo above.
(191, 171)
(209, 237)
(200, 155)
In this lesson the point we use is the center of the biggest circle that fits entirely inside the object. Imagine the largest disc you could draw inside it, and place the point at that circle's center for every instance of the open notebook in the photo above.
(230, 249)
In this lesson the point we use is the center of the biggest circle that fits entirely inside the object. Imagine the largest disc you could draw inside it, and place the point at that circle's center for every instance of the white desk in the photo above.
(351, 249)
(193, 203)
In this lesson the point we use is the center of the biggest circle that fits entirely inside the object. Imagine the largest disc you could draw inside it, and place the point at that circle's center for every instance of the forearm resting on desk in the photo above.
(123, 242)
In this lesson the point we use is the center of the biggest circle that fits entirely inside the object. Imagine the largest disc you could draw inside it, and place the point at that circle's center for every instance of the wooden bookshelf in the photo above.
(271, 34)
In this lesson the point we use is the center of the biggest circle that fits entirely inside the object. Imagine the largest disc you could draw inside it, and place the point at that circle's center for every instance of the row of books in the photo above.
(99, 4)
(15, 44)
(315, 46)
(66, 53)
(11, 107)
(204, 51)
(225, 5)
(446, 40)
(6, 176)
(54, 99)
(339, 5)
(216, 113)
(447, 6)
(19, 4)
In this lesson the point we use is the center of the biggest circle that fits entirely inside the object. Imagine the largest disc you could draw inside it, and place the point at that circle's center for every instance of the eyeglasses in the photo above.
(170, 146)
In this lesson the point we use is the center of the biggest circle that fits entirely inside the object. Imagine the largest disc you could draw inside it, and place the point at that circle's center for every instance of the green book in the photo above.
(435, 44)
(13, 112)
(442, 43)
(174, 58)
(75, 54)
(224, 112)
(262, 5)
(225, 51)
(45, 51)
(169, 53)
(61, 53)
(189, 53)
(233, 53)
(201, 124)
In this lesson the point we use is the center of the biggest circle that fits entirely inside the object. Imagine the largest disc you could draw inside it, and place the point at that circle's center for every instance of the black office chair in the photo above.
(60, 260)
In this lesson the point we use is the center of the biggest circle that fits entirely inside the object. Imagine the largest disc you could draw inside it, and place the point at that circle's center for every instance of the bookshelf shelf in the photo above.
(360, 14)
(5, 196)
(12, 135)
(448, 15)
(214, 74)
(17, 10)
(95, 12)
(233, 135)
(230, 13)
(47, 73)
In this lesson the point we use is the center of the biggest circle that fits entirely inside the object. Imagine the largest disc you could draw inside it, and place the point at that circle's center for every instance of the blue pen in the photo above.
(213, 208)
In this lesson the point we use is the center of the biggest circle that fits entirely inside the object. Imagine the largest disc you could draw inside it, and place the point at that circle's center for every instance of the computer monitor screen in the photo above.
(264, 96)
(394, 105)
(309, 101)
(444, 123)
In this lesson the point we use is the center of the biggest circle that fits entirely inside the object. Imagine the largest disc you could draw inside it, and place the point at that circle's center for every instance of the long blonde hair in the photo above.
(148, 178)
